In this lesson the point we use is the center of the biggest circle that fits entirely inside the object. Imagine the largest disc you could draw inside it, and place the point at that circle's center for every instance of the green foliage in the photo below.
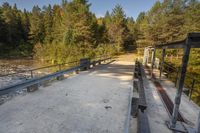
(64, 31)
(167, 22)
(14, 30)
(120, 29)
(37, 30)
(48, 23)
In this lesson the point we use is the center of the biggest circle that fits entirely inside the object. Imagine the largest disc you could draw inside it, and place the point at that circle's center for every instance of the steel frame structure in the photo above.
(192, 41)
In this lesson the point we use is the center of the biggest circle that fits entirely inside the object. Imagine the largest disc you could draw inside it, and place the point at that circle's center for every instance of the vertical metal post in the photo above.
(59, 67)
(177, 76)
(193, 82)
(31, 74)
(198, 124)
(180, 83)
(162, 62)
(152, 55)
(168, 72)
(153, 61)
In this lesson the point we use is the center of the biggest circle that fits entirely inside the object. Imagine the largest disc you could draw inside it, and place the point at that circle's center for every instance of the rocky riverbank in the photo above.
(20, 67)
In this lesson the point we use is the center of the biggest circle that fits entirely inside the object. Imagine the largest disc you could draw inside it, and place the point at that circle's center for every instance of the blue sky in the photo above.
(131, 7)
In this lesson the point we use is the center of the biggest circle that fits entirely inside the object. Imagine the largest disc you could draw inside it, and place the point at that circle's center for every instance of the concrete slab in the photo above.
(96, 101)
(188, 108)
(156, 110)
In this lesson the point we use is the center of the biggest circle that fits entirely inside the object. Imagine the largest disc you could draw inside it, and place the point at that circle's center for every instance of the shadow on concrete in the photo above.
(117, 70)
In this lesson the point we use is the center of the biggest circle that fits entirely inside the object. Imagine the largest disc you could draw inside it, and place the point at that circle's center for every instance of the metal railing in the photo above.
(189, 83)
(31, 71)
(139, 76)
(59, 67)
(38, 80)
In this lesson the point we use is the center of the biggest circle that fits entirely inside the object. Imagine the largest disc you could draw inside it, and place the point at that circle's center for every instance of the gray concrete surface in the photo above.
(95, 101)
(188, 108)
(157, 112)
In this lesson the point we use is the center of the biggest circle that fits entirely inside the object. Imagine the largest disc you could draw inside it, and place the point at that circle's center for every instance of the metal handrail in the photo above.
(35, 69)
(193, 80)
(174, 68)
(53, 65)
(50, 66)
(33, 81)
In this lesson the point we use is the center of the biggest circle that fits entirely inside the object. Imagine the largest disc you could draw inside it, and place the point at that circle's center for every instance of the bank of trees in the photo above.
(14, 29)
(64, 32)
(69, 31)
(168, 21)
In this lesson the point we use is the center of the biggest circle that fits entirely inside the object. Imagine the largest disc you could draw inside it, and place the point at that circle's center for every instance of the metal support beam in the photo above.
(153, 62)
(180, 84)
(198, 124)
(162, 62)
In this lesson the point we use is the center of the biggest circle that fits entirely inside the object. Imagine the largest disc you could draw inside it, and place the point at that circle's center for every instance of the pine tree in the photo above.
(117, 31)
(78, 25)
(57, 24)
(25, 25)
(37, 26)
(3, 30)
(192, 17)
(48, 23)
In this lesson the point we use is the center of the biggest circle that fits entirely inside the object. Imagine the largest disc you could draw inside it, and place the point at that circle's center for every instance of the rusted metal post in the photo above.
(191, 91)
(162, 62)
(153, 62)
(180, 84)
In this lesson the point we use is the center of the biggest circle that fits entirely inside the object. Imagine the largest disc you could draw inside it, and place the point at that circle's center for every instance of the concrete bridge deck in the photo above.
(95, 101)
(157, 112)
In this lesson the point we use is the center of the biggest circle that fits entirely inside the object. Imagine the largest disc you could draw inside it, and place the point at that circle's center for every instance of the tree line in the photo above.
(70, 30)
(63, 32)
(167, 21)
